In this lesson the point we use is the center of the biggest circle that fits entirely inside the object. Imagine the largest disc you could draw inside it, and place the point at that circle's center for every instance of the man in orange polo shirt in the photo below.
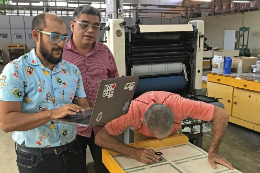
(159, 114)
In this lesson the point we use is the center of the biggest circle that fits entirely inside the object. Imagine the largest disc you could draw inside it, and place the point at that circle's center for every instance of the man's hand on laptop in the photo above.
(65, 110)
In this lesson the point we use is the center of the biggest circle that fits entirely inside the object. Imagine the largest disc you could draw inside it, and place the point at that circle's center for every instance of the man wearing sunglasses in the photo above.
(37, 88)
(95, 62)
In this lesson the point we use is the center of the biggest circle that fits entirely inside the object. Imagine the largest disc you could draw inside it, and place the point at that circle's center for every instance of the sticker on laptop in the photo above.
(129, 86)
(109, 90)
(99, 117)
(126, 106)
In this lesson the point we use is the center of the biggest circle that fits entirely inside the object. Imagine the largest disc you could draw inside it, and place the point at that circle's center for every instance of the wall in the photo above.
(215, 27)
(9, 25)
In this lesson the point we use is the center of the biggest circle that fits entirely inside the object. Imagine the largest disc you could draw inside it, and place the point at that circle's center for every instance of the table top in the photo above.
(252, 76)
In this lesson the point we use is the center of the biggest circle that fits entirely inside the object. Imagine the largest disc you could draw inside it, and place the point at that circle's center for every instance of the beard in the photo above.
(48, 55)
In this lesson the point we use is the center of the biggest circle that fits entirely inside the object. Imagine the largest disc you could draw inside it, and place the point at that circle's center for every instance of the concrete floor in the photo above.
(8, 156)
(240, 146)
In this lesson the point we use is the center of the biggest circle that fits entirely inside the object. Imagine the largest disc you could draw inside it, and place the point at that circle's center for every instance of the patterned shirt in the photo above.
(28, 81)
(99, 64)
(181, 107)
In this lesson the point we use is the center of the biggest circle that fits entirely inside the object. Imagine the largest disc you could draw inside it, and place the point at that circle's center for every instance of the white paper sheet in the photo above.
(180, 152)
(183, 158)
(201, 165)
(127, 162)
(163, 168)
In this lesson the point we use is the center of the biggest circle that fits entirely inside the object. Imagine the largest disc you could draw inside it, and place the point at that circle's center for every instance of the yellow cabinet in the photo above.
(256, 109)
(241, 99)
(246, 105)
(243, 104)
(221, 91)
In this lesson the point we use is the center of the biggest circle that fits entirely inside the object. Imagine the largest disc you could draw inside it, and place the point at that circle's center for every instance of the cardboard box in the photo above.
(246, 63)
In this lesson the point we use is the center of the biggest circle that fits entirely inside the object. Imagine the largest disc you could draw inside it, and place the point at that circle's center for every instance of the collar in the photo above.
(33, 58)
(71, 46)
(35, 61)
(151, 99)
(148, 98)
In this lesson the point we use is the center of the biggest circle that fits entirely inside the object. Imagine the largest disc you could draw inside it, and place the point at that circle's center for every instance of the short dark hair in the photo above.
(39, 22)
(86, 9)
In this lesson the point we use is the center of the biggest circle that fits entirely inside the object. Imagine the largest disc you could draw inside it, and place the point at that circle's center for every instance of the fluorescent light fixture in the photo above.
(242, 1)
(202, 0)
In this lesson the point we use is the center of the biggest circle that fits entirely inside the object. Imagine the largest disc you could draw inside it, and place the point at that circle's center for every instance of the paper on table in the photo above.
(127, 162)
(201, 165)
(179, 152)
(162, 168)
(183, 158)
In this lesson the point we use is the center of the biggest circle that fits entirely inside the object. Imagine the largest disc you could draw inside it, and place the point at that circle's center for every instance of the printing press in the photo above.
(166, 58)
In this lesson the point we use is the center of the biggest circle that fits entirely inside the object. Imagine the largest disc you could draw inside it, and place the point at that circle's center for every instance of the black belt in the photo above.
(51, 150)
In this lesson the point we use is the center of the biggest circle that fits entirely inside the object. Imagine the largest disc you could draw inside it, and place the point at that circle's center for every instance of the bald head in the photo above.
(42, 20)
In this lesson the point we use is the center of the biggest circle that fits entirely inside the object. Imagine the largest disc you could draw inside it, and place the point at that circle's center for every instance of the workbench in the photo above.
(177, 156)
(114, 167)
(240, 94)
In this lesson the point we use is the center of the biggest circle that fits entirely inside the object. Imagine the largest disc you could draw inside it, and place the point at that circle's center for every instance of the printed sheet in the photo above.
(183, 158)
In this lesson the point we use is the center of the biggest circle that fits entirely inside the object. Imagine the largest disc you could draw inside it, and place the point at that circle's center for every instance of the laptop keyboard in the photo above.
(84, 120)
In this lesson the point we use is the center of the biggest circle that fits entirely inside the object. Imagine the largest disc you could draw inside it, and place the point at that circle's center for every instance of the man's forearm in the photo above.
(18, 121)
(219, 127)
(105, 140)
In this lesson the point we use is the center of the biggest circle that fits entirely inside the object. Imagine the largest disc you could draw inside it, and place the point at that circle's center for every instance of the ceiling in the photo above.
(159, 8)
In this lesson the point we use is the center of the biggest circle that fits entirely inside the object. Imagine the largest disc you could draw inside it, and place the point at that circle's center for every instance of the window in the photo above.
(34, 12)
(21, 12)
(12, 12)
(82, 4)
(27, 11)
(95, 5)
(103, 14)
(126, 15)
(13, 3)
(126, 7)
(63, 4)
(37, 4)
(51, 3)
(19, 3)
(73, 5)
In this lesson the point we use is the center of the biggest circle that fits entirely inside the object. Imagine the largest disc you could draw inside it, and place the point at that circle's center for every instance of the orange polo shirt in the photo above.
(181, 107)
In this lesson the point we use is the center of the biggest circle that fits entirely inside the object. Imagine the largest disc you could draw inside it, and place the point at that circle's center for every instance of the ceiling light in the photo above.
(202, 0)
(242, 1)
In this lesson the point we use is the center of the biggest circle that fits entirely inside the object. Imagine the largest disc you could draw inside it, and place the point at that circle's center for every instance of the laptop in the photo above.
(113, 100)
